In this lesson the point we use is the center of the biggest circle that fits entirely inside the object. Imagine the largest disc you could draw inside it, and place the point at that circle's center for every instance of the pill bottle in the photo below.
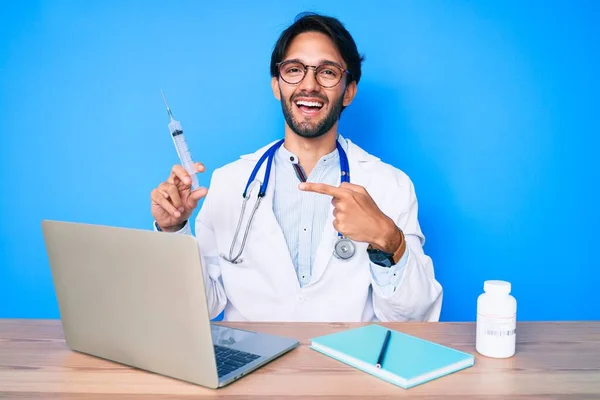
(496, 320)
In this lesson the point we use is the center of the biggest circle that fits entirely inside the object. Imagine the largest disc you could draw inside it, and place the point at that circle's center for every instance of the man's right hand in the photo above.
(174, 201)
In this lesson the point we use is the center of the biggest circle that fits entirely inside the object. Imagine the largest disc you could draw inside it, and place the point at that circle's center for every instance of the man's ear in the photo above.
(349, 93)
(275, 87)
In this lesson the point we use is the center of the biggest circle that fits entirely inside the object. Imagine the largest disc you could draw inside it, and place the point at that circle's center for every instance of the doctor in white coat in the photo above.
(335, 235)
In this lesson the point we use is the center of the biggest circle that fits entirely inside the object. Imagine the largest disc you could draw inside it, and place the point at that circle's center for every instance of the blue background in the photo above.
(490, 107)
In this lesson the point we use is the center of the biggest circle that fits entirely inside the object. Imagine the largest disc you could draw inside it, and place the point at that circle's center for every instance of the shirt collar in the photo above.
(286, 157)
(354, 152)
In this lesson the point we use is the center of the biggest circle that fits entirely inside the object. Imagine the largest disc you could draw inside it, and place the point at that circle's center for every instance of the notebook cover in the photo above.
(409, 360)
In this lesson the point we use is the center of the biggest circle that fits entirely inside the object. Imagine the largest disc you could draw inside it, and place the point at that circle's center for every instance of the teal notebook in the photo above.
(408, 361)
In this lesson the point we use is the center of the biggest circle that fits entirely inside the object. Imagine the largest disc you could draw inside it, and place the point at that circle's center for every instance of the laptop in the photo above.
(137, 297)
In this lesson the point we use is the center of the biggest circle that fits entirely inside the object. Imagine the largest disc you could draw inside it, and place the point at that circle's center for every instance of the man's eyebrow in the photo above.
(329, 62)
(292, 60)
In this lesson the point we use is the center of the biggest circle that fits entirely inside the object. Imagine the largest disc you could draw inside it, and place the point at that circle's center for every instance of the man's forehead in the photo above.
(313, 47)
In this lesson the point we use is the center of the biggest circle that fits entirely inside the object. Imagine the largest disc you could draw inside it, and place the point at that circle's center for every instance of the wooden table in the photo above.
(557, 360)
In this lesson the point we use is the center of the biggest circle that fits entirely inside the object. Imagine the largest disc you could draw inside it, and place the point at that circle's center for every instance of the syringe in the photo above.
(181, 146)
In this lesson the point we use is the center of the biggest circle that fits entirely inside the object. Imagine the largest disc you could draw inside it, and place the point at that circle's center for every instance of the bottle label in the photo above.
(497, 326)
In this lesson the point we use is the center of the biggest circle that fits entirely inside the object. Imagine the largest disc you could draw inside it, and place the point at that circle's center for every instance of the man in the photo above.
(313, 249)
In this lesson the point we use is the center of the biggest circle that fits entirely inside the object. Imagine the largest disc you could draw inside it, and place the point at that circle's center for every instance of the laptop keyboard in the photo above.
(228, 360)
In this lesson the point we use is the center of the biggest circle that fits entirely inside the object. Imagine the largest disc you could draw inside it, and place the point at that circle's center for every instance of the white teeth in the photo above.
(309, 103)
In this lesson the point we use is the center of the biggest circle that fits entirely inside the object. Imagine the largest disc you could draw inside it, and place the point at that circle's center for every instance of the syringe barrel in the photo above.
(184, 154)
(175, 127)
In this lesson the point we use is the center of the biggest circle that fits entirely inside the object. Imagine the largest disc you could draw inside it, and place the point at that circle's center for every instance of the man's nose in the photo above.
(309, 83)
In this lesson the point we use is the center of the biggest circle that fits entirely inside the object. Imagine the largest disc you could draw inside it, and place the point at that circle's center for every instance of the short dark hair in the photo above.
(330, 26)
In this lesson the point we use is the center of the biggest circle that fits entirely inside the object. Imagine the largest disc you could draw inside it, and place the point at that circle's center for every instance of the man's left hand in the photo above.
(357, 217)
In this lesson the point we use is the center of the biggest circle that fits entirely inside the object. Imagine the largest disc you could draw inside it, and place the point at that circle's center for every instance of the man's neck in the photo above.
(310, 150)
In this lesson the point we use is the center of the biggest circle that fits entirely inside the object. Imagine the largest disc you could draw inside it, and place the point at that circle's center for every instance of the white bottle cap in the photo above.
(496, 287)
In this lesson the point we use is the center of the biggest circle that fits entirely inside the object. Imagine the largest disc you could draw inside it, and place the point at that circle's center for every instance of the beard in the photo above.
(311, 129)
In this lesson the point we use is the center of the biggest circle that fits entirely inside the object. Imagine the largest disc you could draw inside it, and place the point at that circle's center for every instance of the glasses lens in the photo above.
(291, 72)
(328, 75)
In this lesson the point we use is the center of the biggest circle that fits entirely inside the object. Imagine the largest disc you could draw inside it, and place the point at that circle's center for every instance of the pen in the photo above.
(383, 349)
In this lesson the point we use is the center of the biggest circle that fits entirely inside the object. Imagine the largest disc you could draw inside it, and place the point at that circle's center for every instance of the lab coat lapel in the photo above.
(358, 176)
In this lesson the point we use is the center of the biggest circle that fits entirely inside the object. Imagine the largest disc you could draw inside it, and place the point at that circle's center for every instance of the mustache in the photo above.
(306, 94)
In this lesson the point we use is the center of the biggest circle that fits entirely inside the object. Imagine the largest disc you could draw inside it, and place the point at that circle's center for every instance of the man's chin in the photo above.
(306, 126)
(307, 132)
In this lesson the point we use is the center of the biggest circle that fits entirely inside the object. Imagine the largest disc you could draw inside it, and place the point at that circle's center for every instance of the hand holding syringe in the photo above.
(181, 146)
(174, 200)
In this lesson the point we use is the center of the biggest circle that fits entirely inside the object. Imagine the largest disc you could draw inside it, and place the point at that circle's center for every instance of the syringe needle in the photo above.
(166, 104)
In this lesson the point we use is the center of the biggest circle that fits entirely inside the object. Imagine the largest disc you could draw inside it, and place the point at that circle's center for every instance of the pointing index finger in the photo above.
(322, 188)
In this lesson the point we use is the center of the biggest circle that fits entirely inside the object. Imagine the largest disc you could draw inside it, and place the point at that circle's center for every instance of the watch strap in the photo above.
(401, 249)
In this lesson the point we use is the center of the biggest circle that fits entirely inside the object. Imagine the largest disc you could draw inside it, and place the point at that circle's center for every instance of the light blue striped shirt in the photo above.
(302, 216)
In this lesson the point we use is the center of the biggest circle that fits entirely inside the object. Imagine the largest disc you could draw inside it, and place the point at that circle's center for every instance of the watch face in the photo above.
(380, 258)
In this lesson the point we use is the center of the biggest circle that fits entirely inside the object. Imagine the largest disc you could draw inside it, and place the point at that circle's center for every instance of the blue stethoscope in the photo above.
(343, 249)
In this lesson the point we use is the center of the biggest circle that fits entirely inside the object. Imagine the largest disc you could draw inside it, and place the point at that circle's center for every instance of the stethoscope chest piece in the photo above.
(344, 248)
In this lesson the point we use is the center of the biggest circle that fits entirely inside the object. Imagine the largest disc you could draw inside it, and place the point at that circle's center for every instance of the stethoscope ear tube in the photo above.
(270, 154)
(237, 259)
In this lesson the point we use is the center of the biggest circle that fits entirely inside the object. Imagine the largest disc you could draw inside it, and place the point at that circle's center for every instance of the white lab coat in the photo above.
(265, 287)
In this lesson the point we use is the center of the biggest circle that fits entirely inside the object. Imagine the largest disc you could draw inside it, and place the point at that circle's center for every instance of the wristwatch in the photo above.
(385, 259)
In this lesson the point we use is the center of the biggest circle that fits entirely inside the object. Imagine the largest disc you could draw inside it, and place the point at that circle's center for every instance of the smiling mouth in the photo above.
(309, 107)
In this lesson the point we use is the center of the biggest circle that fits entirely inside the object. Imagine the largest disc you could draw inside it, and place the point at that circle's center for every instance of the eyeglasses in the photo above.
(327, 74)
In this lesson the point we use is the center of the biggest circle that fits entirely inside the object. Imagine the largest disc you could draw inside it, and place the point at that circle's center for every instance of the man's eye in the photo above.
(329, 72)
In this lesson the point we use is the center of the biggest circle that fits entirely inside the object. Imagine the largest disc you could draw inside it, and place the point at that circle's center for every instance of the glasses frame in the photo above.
(314, 67)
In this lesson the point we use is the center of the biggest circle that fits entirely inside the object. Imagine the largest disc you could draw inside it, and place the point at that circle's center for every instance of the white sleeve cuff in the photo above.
(186, 230)
(388, 279)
